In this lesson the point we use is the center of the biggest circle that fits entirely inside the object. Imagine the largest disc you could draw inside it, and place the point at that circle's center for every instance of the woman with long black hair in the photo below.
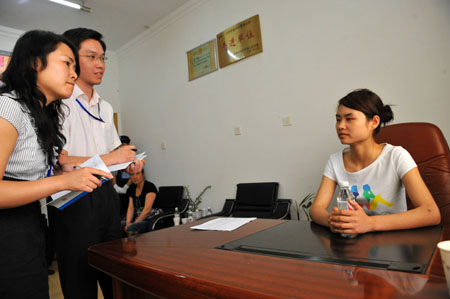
(42, 70)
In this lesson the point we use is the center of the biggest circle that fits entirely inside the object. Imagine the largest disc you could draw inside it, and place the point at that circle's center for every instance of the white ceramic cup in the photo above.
(184, 220)
(444, 248)
(176, 221)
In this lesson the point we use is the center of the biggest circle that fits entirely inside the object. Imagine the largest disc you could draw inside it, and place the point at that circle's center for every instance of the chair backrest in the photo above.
(169, 197)
(255, 199)
(428, 147)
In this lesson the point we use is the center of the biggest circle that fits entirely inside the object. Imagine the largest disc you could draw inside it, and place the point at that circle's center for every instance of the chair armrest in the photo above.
(154, 220)
(282, 209)
(181, 209)
(226, 210)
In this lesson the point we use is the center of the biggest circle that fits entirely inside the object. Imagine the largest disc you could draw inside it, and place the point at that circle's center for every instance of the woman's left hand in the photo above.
(353, 221)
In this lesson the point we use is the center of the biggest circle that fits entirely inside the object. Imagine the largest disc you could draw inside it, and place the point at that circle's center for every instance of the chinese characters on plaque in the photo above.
(233, 44)
(202, 60)
(4, 60)
(239, 41)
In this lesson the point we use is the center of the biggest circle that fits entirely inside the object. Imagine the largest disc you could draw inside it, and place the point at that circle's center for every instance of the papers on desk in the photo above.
(223, 224)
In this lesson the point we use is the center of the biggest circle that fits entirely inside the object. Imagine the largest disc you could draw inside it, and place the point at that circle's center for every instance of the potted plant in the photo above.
(195, 203)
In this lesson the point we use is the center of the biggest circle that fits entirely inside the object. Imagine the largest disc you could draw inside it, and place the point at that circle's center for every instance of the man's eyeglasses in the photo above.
(93, 58)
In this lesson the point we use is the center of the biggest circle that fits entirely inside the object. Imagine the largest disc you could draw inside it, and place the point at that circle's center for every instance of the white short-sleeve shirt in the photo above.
(378, 188)
(85, 135)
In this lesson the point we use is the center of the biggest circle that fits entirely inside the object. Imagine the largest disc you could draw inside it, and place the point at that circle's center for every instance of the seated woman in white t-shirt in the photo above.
(378, 175)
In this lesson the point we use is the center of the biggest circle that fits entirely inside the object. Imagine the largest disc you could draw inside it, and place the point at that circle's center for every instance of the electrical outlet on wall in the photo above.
(286, 120)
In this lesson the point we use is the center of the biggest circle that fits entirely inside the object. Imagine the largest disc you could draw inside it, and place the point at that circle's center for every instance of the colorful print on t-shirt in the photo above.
(372, 199)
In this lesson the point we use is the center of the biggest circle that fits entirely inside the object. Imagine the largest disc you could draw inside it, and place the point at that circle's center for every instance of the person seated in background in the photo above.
(377, 173)
(141, 196)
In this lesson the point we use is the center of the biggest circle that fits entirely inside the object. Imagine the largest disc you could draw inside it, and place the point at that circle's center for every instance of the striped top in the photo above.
(27, 161)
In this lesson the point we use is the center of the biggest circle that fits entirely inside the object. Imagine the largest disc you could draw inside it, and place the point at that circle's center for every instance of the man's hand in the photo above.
(136, 166)
(123, 154)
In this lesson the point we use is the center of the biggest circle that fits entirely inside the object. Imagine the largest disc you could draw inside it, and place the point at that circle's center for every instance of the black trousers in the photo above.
(92, 219)
(23, 266)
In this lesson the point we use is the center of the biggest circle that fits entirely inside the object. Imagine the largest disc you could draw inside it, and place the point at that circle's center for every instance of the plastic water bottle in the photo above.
(190, 214)
(176, 217)
(342, 202)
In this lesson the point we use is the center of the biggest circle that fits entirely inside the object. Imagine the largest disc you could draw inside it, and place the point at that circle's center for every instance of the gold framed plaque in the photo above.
(239, 41)
(202, 60)
(116, 121)
(5, 57)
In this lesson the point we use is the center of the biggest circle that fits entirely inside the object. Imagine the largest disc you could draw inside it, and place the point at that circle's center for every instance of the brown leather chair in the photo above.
(428, 147)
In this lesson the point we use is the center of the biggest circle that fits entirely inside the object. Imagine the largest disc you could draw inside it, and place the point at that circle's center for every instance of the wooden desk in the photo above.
(180, 263)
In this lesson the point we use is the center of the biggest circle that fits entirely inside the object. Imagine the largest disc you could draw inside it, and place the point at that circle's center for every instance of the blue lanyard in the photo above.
(99, 118)
(49, 173)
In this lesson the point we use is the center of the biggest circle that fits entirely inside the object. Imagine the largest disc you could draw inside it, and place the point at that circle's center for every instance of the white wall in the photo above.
(8, 38)
(109, 89)
(315, 52)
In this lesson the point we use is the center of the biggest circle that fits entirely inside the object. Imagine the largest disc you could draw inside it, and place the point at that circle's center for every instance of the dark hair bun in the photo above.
(386, 115)
(370, 104)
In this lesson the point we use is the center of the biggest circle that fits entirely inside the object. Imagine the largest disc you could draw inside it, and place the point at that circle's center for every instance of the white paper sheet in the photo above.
(96, 162)
(64, 198)
(223, 224)
(121, 166)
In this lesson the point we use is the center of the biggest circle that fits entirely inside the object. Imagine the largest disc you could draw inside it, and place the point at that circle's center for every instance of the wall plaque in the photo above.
(239, 41)
(4, 60)
(202, 60)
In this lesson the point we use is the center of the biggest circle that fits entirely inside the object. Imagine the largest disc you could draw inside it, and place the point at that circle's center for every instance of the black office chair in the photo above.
(226, 210)
(282, 209)
(257, 200)
(167, 199)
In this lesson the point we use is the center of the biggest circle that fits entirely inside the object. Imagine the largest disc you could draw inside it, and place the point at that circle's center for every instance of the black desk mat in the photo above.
(403, 250)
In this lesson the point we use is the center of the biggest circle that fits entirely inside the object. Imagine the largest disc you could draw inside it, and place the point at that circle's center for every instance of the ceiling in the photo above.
(118, 20)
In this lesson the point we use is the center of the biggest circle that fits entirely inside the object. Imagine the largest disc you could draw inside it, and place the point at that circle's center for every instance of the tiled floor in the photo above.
(54, 286)
(53, 283)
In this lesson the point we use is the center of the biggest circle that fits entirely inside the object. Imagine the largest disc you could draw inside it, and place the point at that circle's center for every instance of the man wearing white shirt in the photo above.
(89, 130)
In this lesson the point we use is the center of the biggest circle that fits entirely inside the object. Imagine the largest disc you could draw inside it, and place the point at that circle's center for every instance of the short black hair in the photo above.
(125, 139)
(79, 35)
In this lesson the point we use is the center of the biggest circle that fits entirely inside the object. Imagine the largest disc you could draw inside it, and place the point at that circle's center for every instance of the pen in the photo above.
(100, 177)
